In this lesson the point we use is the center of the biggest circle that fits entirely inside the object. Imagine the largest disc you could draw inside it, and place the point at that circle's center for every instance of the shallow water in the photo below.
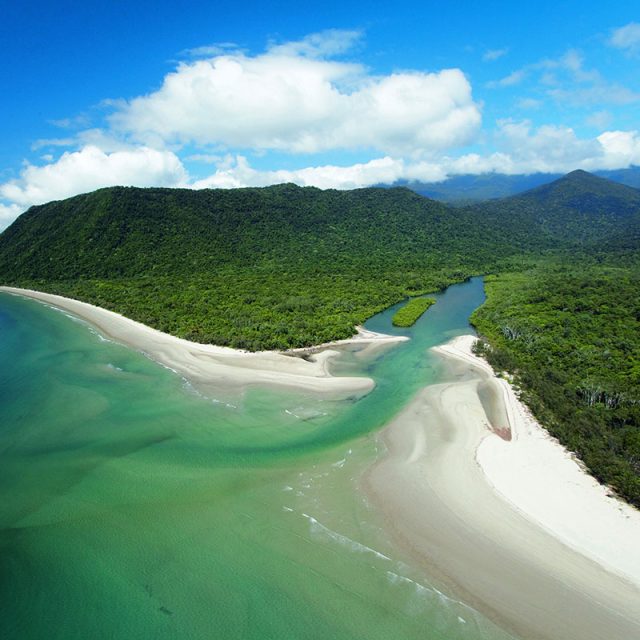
(133, 506)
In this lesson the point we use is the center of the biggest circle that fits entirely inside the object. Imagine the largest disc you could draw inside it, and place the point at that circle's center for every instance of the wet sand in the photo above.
(441, 506)
(208, 364)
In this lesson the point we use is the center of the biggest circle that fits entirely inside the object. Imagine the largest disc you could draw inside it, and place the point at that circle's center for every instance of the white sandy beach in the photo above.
(513, 526)
(209, 364)
(544, 481)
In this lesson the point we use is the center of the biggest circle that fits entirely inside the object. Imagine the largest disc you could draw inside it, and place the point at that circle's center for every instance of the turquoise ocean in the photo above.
(133, 505)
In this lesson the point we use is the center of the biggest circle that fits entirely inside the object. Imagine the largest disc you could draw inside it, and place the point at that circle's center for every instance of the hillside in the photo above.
(286, 266)
(129, 232)
(577, 211)
(277, 267)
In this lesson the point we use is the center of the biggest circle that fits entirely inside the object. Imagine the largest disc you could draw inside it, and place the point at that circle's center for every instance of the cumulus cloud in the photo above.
(293, 98)
(621, 149)
(236, 172)
(88, 169)
(627, 37)
(524, 149)
(8, 213)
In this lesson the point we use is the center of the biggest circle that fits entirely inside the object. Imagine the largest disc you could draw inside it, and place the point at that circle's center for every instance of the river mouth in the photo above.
(133, 506)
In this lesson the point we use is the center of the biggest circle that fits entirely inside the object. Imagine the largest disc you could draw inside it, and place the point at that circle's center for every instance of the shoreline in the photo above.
(540, 477)
(209, 364)
(451, 488)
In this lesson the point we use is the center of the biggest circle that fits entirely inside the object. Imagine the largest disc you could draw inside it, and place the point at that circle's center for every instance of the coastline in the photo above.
(485, 513)
(545, 481)
(209, 364)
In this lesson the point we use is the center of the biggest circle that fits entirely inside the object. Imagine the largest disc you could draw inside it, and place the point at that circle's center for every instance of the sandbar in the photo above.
(207, 364)
(493, 517)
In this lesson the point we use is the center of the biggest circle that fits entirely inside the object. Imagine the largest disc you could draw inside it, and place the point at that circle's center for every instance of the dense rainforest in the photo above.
(409, 313)
(570, 334)
(285, 266)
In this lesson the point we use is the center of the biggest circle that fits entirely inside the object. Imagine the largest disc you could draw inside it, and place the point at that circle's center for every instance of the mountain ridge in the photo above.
(470, 188)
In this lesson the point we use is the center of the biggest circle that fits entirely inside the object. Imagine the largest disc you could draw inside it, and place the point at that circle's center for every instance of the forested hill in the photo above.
(129, 232)
(277, 267)
(286, 266)
(580, 210)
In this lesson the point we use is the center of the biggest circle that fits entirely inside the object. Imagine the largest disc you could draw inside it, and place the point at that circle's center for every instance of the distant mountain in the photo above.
(579, 209)
(630, 176)
(465, 189)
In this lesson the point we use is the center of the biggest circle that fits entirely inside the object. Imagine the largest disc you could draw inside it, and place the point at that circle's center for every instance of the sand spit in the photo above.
(512, 526)
(545, 481)
(209, 364)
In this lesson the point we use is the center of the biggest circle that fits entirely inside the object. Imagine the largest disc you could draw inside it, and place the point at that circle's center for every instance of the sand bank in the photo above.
(546, 482)
(208, 364)
(491, 519)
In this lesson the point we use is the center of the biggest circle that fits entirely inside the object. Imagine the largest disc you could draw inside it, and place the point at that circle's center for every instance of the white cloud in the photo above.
(568, 81)
(206, 158)
(324, 44)
(52, 142)
(515, 77)
(548, 148)
(621, 149)
(292, 99)
(627, 37)
(236, 172)
(494, 54)
(210, 50)
(76, 122)
(598, 93)
(524, 149)
(580, 86)
(89, 169)
(8, 213)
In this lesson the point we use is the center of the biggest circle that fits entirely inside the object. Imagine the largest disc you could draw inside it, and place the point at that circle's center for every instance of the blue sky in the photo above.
(338, 94)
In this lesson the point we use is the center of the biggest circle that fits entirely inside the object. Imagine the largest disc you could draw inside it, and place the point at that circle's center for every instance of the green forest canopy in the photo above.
(409, 313)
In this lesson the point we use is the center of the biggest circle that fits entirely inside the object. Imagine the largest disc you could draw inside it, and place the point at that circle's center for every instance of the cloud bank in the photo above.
(224, 113)
(290, 100)
(89, 169)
